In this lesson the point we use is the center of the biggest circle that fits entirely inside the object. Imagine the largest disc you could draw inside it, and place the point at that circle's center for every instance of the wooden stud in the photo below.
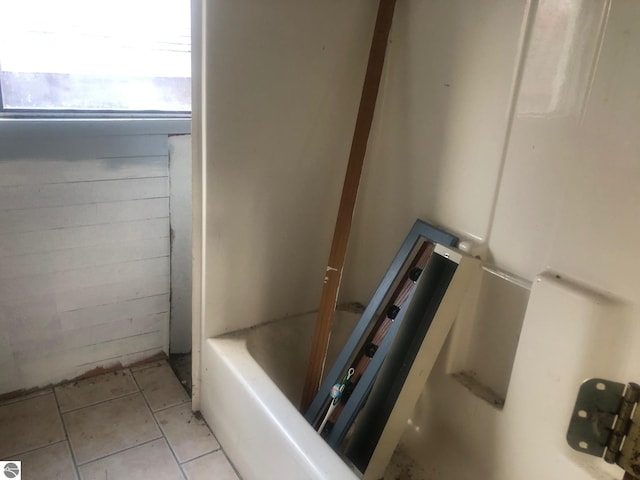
(347, 202)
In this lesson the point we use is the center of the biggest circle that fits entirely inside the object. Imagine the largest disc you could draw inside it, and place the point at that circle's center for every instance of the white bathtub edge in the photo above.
(261, 431)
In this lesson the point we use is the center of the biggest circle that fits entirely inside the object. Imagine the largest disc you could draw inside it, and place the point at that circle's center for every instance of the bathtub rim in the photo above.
(301, 447)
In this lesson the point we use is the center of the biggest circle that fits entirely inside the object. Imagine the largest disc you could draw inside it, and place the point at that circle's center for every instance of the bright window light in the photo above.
(90, 55)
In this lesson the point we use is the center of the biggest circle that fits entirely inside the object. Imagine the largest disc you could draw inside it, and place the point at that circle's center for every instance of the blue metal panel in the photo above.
(420, 231)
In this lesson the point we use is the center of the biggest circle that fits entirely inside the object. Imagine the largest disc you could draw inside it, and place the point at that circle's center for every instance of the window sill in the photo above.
(12, 127)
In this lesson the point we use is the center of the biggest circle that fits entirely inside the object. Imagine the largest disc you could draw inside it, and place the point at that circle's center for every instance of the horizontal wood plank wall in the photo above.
(84, 255)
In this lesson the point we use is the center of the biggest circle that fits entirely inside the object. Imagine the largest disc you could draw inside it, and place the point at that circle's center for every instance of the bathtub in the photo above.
(252, 381)
(256, 376)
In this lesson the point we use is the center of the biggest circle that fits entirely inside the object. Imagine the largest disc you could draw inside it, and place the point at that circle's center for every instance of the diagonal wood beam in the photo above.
(342, 230)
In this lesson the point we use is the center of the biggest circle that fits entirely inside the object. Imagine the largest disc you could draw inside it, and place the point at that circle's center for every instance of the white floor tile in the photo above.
(111, 432)
(160, 386)
(188, 434)
(49, 463)
(212, 466)
(37, 393)
(95, 389)
(29, 424)
(151, 461)
(109, 427)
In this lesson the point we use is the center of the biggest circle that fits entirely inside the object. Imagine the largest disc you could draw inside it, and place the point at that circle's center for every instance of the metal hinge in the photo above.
(606, 423)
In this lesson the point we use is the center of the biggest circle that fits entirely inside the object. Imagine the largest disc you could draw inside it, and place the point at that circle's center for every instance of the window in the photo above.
(96, 56)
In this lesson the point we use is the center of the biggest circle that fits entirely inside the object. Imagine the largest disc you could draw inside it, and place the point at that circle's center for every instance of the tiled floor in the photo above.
(134, 424)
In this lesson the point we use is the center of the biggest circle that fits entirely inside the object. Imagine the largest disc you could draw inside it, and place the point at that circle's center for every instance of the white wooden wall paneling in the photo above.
(70, 147)
(83, 257)
(103, 314)
(86, 236)
(82, 193)
(36, 172)
(83, 359)
(84, 254)
(106, 294)
(59, 282)
(116, 330)
(38, 219)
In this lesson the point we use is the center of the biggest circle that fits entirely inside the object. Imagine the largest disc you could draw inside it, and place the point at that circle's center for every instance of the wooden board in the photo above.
(103, 314)
(43, 241)
(127, 289)
(346, 208)
(45, 218)
(38, 172)
(82, 193)
(63, 281)
(83, 257)
(70, 147)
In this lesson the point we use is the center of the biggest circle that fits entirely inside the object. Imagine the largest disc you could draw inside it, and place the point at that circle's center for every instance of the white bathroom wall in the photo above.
(566, 203)
(437, 153)
(440, 130)
(569, 189)
(283, 80)
(84, 250)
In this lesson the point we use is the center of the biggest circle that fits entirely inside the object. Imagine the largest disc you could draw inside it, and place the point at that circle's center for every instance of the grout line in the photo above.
(121, 451)
(66, 435)
(160, 428)
(167, 407)
(219, 449)
(139, 392)
(184, 474)
(31, 450)
(204, 454)
(99, 402)
(224, 454)
(172, 406)
(27, 396)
